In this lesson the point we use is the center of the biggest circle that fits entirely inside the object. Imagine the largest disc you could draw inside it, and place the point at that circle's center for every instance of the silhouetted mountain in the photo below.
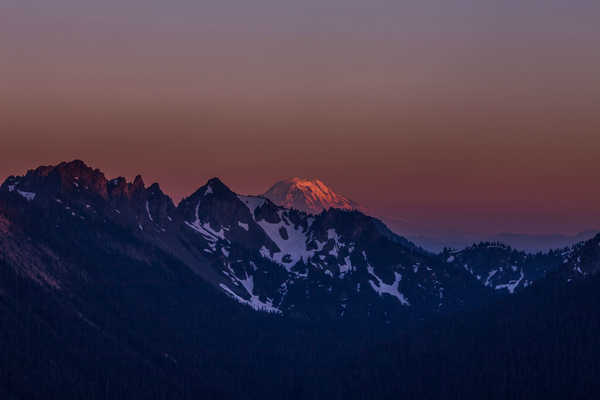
(542, 242)
(336, 264)
(503, 268)
(531, 243)
(581, 260)
(109, 290)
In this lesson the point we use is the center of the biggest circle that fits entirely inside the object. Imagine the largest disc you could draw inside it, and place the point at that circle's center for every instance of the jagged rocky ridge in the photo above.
(336, 264)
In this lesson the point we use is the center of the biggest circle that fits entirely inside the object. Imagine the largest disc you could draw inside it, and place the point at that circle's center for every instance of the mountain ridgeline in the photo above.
(225, 290)
(336, 264)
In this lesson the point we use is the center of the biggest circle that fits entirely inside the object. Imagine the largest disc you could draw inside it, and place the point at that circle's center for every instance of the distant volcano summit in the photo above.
(308, 195)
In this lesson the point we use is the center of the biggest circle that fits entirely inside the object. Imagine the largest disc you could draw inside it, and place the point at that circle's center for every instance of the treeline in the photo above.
(542, 344)
(125, 329)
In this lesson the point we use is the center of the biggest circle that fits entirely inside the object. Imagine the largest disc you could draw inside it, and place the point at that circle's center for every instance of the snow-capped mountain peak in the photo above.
(308, 195)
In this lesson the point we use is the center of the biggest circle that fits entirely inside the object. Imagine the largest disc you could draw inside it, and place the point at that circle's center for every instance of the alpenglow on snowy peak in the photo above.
(308, 195)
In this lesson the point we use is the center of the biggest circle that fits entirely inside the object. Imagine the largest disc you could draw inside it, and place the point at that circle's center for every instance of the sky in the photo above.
(441, 116)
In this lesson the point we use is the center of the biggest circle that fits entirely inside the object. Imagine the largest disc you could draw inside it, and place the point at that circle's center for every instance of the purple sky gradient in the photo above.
(475, 116)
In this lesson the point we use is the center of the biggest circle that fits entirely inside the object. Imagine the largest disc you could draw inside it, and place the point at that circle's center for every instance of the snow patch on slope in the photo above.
(148, 211)
(254, 301)
(382, 288)
(29, 196)
(512, 285)
(206, 230)
(293, 249)
(346, 267)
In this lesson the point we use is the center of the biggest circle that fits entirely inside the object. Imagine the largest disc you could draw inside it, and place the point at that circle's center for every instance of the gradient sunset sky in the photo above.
(476, 116)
